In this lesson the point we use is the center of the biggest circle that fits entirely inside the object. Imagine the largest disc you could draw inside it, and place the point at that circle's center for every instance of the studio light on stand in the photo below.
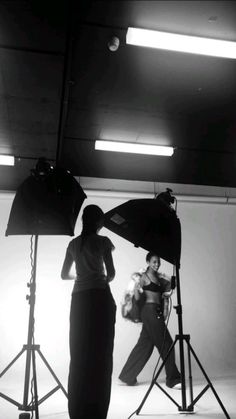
(46, 203)
(153, 225)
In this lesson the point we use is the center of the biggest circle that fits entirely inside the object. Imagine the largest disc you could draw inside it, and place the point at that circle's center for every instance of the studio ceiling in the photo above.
(62, 88)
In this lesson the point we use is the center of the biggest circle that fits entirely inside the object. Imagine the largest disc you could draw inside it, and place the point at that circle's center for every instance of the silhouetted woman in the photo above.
(92, 319)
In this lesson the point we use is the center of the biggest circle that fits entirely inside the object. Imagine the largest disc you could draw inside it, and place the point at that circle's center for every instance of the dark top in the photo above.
(153, 287)
(89, 261)
(163, 286)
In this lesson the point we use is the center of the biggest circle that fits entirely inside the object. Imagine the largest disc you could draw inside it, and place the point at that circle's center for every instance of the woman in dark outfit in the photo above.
(92, 319)
(154, 331)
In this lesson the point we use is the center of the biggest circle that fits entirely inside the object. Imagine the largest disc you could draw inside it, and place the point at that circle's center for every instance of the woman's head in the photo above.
(153, 261)
(93, 218)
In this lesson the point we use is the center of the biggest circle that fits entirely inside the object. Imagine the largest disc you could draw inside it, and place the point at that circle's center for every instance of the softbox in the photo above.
(150, 224)
(46, 203)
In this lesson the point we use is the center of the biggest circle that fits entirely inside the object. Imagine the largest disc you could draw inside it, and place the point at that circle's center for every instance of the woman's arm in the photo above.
(67, 264)
(138, 283)
(108, 260)
(166, 285)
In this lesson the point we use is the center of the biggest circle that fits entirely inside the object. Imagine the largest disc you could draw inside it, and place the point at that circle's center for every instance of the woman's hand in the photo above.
(167, 294)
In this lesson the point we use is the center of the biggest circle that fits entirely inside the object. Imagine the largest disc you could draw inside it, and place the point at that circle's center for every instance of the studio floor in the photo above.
(126, 400)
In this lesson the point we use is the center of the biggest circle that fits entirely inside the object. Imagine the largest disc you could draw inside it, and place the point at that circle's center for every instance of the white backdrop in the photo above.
(208, 287)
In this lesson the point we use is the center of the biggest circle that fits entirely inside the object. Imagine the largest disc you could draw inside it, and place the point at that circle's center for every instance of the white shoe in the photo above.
(120, 382)
(123, 383)
(177, 386)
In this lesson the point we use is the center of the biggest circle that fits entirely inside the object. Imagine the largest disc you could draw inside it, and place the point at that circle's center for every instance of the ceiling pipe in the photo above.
(74, 10)
(196, 199)
(66, 82)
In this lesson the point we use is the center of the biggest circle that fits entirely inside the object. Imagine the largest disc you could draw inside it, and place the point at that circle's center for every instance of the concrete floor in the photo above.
(126, 400)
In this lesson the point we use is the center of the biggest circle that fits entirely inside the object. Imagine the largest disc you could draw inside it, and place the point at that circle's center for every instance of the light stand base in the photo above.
(31, 350)
(184, 408)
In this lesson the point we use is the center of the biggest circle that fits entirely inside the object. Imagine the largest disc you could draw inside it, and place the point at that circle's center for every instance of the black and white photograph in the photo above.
(117, 209)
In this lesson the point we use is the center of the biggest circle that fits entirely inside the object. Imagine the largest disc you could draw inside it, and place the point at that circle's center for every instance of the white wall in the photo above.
(208, 288)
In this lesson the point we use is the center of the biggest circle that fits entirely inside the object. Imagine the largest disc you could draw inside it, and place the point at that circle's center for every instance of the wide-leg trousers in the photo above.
(92, 323)
(153, 334)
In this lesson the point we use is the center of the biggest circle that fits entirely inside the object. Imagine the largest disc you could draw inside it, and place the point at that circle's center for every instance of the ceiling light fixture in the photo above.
(181, 43)
(7, 160)
(135, 148)
(113, 43)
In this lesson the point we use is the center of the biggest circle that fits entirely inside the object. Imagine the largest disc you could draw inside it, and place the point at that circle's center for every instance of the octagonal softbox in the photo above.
(46, 204)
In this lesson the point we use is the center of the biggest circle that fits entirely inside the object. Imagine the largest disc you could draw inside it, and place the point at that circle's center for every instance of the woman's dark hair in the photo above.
(150, 255)
(92, 219)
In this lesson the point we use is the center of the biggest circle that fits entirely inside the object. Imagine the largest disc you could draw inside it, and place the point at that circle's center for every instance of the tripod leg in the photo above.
(52, 372)
(209, 384)
(154, 382)
(190, 373)
(145, 397)
(35, 402)
(182, 371)
(12, 362)
(27, 376)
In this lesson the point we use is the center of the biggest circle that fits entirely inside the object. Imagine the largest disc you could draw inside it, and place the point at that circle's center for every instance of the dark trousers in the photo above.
(92, 323)
(153, 333)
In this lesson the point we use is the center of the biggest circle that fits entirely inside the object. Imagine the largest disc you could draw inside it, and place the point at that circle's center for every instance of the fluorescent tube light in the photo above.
(7, 160)
(135, 148)
(181, 43)
(202, 199)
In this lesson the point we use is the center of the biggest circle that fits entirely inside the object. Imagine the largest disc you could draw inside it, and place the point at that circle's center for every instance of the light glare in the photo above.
(134, 148)
(7, 160)
(181, 43)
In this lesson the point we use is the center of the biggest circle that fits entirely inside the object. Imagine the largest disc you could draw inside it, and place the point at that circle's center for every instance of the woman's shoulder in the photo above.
(74, 241)
(145, 279)
(165, 281)
(103, 238)
(73, 245)
(163, 277)
(105, 241)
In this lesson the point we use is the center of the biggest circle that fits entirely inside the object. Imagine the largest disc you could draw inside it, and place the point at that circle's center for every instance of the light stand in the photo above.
(153, 225)
(46, 203)
(182, 338)
(31, 349)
